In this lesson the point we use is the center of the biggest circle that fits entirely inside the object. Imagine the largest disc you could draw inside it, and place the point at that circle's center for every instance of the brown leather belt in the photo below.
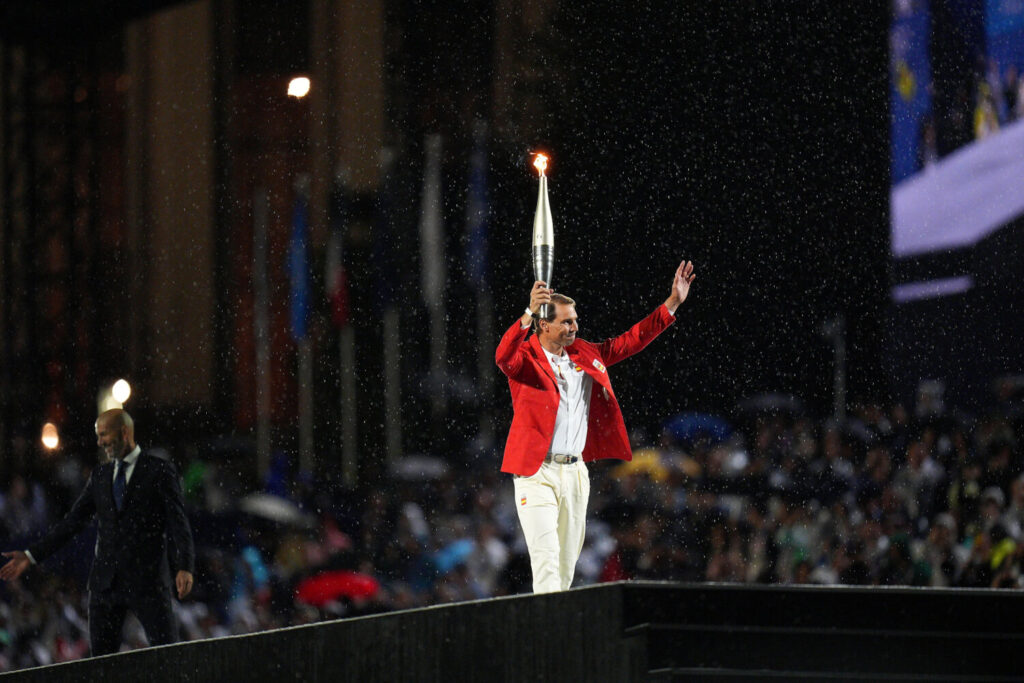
(561, 458)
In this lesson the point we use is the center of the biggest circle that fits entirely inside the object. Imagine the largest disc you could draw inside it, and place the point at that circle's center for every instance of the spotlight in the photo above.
(298, 87)
(121, 391)
(51, 439)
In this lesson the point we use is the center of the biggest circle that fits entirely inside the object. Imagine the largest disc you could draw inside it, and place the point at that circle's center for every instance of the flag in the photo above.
(477, 210)
(432, 266)
(298, 260)
(335, 277)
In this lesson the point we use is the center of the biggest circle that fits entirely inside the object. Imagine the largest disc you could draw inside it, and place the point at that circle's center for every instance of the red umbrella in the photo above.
(325, 587)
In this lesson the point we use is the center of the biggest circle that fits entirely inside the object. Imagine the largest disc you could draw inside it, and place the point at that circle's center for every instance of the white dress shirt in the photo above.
(574, 387)
(129, 463)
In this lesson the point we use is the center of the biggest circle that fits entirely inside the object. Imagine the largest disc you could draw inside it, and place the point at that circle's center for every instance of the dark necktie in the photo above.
(120, 484)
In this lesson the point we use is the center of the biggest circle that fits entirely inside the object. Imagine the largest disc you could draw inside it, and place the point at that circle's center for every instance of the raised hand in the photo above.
(681, 282)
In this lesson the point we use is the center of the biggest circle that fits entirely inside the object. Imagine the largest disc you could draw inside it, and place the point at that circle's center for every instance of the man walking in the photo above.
(142, 535)
(564, 414)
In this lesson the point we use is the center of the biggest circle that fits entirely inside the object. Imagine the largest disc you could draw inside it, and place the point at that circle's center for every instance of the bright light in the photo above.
(51, 439)
(121, 391)
(107, 402)
(298, 87)
(105, 399)
(541, 162)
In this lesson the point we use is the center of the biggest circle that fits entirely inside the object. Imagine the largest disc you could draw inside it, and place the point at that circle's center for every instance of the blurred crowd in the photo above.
(766, 494)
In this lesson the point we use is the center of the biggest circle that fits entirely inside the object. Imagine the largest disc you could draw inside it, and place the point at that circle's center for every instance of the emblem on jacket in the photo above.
(599, 365)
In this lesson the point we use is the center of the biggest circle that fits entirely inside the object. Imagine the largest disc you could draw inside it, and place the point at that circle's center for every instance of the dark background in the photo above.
(749, 137)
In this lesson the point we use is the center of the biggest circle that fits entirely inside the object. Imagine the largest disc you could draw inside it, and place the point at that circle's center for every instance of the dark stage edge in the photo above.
(627, 631)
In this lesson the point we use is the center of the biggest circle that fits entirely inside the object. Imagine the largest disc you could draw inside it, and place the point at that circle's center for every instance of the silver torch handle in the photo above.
(543, 239)
(543, 264)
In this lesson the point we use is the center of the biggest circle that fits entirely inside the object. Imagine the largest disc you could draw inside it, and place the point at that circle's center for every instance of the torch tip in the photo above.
(541, 162)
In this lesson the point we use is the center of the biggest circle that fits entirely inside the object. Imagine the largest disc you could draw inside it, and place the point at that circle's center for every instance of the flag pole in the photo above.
(391, 332)
(306, 456)
(433, 272)
(392, 385)
(299, 265)
(261, 329)
(337, 284)
(485, 364)
(349, 407)
(477, 210)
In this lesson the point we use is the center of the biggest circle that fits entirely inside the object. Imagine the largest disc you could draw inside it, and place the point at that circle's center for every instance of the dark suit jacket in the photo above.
(136, 549)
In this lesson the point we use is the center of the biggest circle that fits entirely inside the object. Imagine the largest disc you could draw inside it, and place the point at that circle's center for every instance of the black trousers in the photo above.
(108, 610)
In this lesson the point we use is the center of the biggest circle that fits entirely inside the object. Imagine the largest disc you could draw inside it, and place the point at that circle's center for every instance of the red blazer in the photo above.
(535, 393)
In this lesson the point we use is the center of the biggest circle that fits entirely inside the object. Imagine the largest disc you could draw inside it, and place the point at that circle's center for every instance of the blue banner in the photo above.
(298, 261)
(1004, 32)
(910, 82)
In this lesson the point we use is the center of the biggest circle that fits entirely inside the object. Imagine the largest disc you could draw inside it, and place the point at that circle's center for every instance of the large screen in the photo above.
(957, 199)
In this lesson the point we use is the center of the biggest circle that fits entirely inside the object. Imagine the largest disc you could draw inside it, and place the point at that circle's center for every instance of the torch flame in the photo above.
(541, 162)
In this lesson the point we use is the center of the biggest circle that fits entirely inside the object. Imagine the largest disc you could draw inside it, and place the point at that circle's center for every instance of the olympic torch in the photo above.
(543, 232)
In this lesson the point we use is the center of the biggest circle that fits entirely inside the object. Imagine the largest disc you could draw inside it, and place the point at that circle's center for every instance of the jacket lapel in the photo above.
(542, 360)
(586, 361)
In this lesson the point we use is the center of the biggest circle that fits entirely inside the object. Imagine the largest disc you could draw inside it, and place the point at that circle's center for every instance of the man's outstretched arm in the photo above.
(77, 518)
(643, 333)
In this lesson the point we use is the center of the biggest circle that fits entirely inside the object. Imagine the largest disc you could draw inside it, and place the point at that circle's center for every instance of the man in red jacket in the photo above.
(564, 414)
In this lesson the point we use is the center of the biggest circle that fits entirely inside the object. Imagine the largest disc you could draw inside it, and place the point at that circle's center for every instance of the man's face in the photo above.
(562, 330)
(111, 439)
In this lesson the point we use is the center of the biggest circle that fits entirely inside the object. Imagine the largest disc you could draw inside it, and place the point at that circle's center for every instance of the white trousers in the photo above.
(552, 507)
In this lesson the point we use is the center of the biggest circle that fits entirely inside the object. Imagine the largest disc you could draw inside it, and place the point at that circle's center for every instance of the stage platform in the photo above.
(618, 632)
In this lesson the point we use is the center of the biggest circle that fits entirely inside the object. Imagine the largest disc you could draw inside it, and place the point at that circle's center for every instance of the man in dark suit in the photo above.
(142, 534)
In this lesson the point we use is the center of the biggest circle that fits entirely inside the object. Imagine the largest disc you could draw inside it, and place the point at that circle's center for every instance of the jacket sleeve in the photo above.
(181, 545)
(509, 354)
(77, 518)
(635, 338)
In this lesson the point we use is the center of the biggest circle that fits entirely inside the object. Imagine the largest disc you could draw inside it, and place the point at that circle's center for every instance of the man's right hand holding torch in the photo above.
(539, 295)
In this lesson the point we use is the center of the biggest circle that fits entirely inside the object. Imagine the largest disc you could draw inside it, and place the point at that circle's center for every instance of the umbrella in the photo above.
(688, 427)
(419, 468)
(274, 508)
(646, 460)
(325, 587)
(452, 554)
(772, 402)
